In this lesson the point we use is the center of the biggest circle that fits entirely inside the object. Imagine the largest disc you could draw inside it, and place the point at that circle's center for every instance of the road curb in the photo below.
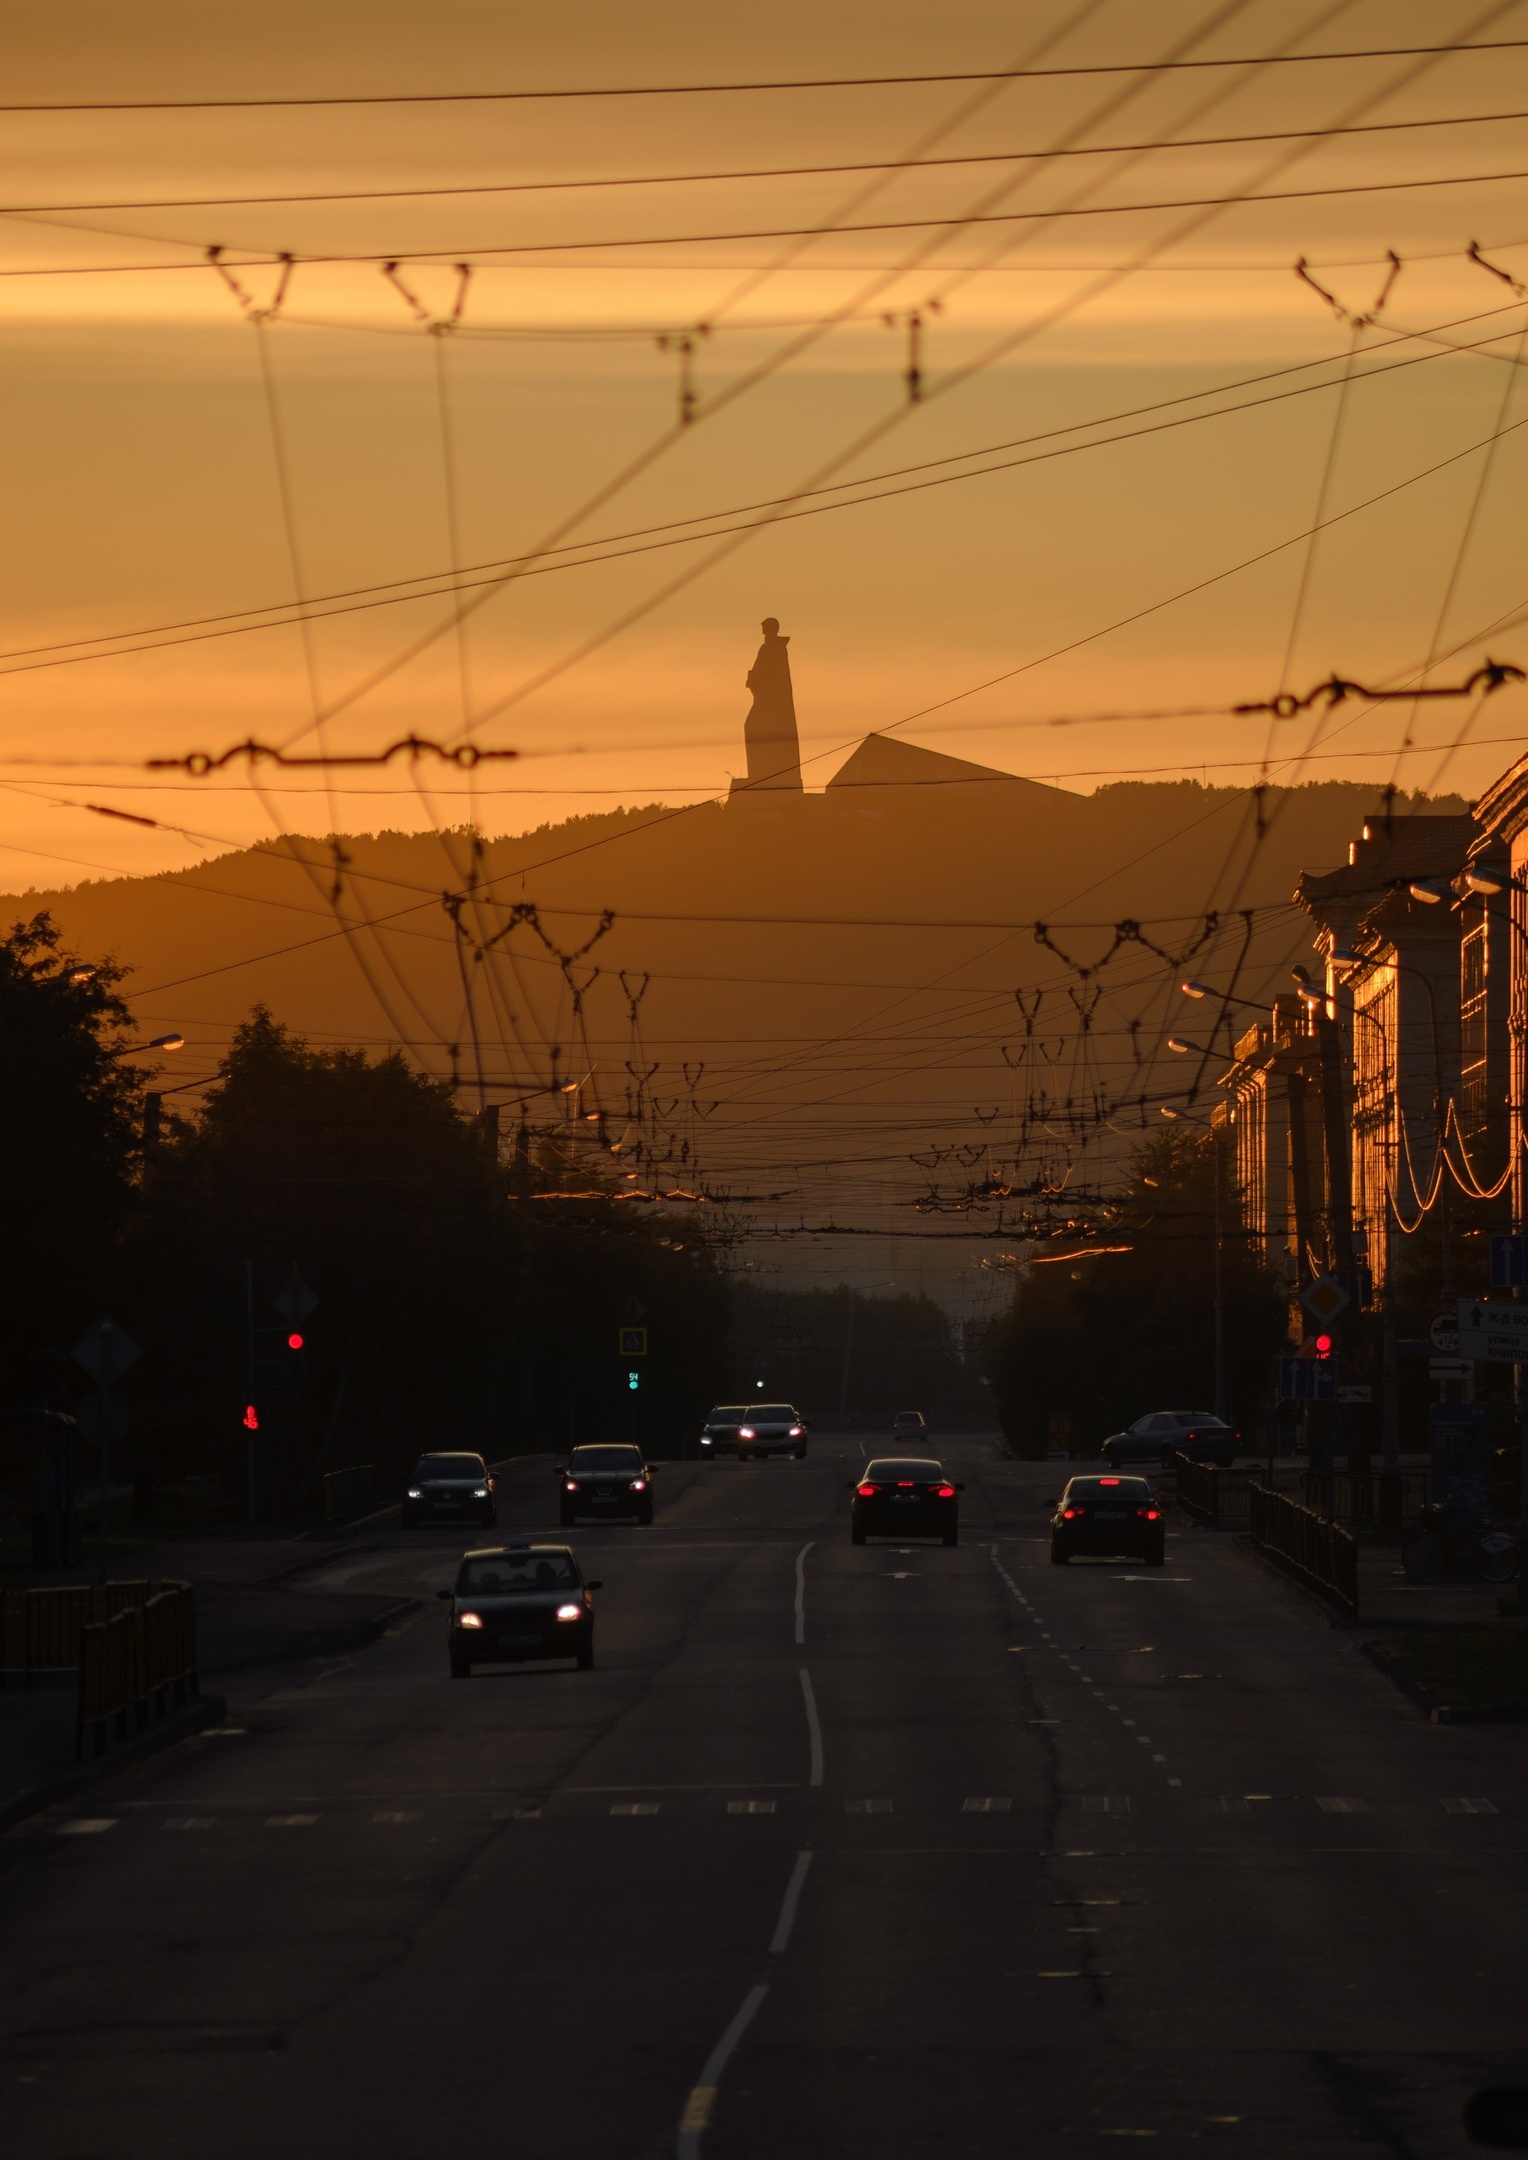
(181, 1725)
(328, 1642)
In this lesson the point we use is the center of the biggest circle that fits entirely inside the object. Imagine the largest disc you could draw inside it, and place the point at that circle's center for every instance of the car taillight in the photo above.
(1109, 1480)
(639, 1484)
(906, 1484)
(943, 1492)
(469, 1619)
(1070, 1514)
(570, 1612)
(572, 1485)
(1151, 1514)
(867, 1492)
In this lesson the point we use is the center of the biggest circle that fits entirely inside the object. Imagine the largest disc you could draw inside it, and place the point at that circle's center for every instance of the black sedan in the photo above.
(519, 1601)
(447, 1487)
(611, 1480)
(1115, 1517)
(751, 1431)
(905, 1496)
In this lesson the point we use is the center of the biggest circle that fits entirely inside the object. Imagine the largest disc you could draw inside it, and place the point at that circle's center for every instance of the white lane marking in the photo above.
(801, 1590)
(1334, 1804)
(398, 1815)
(1468, 1807)
(188, 1822)
(702, 2098)
(750, 1807)
(993, 1805)
(793, 1890)
(1107, 1804)
(635, 1807)
(813, 1726)
(87, 1826)
(868, 1807)
(289, 1822)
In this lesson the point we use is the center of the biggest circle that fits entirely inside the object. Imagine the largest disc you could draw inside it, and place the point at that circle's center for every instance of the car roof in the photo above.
(582, 1447)
(507, 1552)
(446, 1454)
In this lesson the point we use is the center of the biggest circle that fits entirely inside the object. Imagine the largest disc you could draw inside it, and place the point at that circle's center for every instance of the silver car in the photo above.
(1164, 1435)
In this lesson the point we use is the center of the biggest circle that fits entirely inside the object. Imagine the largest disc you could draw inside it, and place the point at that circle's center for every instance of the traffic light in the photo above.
(294, 1341)
(251, 1418)
(1324, 1346)
(633, 1381)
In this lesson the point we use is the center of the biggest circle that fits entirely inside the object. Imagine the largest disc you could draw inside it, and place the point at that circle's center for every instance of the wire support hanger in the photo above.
(1492, 675)
(437, 325)
(251, 307)
(199, 763)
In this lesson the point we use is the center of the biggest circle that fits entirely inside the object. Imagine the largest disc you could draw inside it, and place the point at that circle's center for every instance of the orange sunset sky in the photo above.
(163, 471)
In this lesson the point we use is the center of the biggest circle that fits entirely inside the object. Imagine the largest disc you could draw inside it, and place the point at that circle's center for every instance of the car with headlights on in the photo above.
(748, 1430)
(904, 1496)
(449, 1487)
(609, 1479)
(1162, 1436)
(511, 1602)
(1110, 1517)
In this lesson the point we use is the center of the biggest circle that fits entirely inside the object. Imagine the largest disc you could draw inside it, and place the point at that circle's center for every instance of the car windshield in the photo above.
(449, 1466)
(1103, 1490)
(892, 1469)
(727, 1414)
(606, 1459)
(770, 1413)
(517, 1574)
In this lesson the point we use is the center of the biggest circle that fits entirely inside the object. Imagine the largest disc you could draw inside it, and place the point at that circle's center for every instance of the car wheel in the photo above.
(586, 1657)
(856, 1534)
(952, 1537)
(644, 1515)
(1059, 1555)
(461, 1667)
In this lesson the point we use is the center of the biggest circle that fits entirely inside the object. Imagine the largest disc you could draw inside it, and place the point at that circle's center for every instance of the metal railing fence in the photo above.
(41, 1630)
(1324, 1553)
(349, 1492)
(137, 1665)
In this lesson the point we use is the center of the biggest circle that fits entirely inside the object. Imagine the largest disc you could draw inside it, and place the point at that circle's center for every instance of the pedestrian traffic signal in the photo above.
(633, 1381)
(251, 1419)
(1323, 1346)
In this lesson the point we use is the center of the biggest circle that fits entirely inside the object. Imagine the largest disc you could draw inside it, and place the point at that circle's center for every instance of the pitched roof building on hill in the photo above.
(881, 761)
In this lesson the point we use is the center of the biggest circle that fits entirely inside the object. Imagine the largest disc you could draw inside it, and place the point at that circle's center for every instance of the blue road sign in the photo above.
(1307, 1379)
(1509, 1262)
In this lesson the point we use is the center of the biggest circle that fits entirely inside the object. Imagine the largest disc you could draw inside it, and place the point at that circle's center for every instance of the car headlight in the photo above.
(469, 1619)
(639, 1484)
(796, 1431)
(570, 1612)
(481, 1493)
(415, 1493)
(745, 1432)
(705, 1439)
(571, 1485)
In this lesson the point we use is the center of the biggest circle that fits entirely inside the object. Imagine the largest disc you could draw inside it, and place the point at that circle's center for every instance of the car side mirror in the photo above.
(445, 1593)
(594, 1586)
(652, 1469)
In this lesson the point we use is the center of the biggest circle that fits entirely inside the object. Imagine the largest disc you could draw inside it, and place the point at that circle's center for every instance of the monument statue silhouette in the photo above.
(769, 732)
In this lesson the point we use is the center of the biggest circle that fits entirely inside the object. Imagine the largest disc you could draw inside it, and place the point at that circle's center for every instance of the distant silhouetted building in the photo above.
(769, 732)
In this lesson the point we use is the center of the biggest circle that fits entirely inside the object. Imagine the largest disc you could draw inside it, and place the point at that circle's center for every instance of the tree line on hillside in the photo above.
(1087, 1348)
(454, 1308)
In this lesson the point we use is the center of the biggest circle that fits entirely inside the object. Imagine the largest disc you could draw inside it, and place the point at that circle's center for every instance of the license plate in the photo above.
(517, 1642)
(905, 1499)
(1110, 1515)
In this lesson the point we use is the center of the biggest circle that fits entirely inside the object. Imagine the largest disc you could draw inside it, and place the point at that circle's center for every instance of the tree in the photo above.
(1087, 1348)
(70, 1120)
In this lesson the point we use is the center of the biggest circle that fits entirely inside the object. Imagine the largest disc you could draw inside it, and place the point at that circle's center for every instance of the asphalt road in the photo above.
(838, 1851)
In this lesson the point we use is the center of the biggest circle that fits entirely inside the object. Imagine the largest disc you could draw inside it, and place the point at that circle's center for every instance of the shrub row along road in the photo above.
(1102, 1850)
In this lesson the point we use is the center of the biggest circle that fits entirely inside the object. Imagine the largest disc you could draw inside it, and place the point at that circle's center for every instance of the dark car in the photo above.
(607, 1478)
(444, 1487)
(750, 1429)
(519, 1601)
(908, 1428)
(1163, 1435)
(905, 1496)
(1110, 1516)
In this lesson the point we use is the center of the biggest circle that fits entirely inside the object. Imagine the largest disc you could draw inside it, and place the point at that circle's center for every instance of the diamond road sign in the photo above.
(105, 1351)
(295, 1302)
(1324, 1298)
(1495, 1332)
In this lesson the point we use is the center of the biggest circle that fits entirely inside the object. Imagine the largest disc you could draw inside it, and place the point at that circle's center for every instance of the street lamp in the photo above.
(160, 1042)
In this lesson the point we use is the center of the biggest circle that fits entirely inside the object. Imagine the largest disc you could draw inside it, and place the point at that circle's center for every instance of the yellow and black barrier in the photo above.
(136, 1665)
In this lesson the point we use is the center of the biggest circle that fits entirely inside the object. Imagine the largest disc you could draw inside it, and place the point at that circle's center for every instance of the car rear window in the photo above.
(517, 1574)
(1197, 1417)
(1125, 1488)
(891, 1467)
(605, 1458)
(462, 1466)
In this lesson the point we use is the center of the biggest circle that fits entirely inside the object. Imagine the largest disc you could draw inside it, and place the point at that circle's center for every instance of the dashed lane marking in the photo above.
(868, 1807)
(750, 1807)
(1468, 1807)
(997, 1804)
(289, 1822)
(188, 1822)
(635, 1807)
(87, 1826)
(1336, 1804)
(1107, 1803)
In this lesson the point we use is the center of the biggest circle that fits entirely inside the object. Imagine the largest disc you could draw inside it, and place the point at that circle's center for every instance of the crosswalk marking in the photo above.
(398, 1815)
(187, 1822)
(1107, 1804)
(867, 1807)
(87, 1826)
(750, 1807)
(635, 1807)
(1335, 1804)
(996, 1805)
(289, 1822)
(1468, 1807)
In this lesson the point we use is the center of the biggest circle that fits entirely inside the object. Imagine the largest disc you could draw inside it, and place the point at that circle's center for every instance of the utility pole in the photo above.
(251, 1415)
(1220, 1303)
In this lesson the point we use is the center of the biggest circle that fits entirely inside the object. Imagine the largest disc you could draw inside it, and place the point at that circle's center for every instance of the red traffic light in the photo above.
(294, 1342)
(250, 1418)
(1323, 1346)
